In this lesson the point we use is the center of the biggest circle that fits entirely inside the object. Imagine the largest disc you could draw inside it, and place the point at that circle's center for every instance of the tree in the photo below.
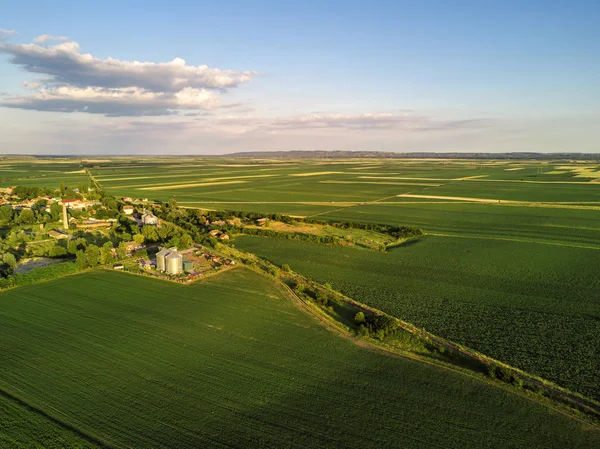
(285, 267)
(122, 250)
(6, 214)
(185, 241)
(149, 233)
(26, 217)
(138, 238)
(92, 254)
(10, 260)
(359, 318)
(81, 259)
(106, 256)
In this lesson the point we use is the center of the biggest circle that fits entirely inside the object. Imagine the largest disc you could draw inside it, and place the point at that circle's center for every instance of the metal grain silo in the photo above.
(160, 259)
(174, 262)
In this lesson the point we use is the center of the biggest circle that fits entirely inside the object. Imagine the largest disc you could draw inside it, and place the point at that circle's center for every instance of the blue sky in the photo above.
(391, 76)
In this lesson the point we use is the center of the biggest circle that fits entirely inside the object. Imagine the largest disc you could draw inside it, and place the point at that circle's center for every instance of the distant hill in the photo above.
(318, 154)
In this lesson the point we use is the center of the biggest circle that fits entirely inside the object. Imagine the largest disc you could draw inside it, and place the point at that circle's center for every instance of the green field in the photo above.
(534, 306)
(232, 362)
(309, 187)
(42, 173)
(23, 427)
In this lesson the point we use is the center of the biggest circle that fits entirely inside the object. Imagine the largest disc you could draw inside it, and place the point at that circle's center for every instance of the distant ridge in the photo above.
(319, 154)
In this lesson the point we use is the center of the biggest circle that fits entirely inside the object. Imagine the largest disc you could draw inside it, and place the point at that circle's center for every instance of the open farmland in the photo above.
(132, 361)
(282, 184)
(24, 427)
(42, 173)
(532, 305)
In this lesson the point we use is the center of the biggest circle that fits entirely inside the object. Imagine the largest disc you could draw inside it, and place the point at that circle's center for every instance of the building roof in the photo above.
(163, 252)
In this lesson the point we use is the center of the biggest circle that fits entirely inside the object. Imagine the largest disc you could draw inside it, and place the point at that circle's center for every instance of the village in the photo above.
(41, 227)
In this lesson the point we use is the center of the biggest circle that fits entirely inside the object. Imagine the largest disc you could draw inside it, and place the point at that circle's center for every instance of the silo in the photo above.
(160, 259)
(174, 263)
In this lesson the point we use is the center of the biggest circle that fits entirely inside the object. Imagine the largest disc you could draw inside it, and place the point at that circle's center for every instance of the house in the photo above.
(132, 247)
(128, 210)
(214, 233)
(262, 221)
(149, 219)
(58, 235)
(224, 237)
(127, 199)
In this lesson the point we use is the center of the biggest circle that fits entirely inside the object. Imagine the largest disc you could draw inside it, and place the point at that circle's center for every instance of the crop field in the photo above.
(232, 362)
(312, 187)
(553, 225)
(21, 427)
(41, 173)
(532, 305)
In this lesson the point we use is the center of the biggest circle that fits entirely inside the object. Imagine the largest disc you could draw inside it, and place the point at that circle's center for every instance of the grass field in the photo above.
(231, 362)
(534, 306)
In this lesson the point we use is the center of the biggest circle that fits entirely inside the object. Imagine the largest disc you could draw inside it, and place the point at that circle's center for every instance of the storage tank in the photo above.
(174, 262)
(160, 259)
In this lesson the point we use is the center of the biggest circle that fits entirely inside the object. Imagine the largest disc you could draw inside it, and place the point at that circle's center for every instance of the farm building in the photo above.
(149, 219)
(187, 265)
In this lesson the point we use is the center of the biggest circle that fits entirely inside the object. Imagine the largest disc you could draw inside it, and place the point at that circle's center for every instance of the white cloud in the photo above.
(80, 82)
(47, 38)
(66, 65)
(114, 102)
(348, 122)
(4, 33)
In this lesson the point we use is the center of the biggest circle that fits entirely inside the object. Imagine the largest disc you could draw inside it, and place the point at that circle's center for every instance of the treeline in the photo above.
(327, 239)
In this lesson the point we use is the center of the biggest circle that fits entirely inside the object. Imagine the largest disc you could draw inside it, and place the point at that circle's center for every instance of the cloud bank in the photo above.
(79, 82)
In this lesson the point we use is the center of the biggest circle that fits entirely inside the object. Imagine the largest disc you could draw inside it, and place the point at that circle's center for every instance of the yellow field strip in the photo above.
(507, 203)
(454, 198)
(203, 181)
(317, 173)
(188, 186)
(466, 178)
(509, 239)
(306, 203)
(406, 178)
(382, 183)
(514, 169)
(471, 179)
